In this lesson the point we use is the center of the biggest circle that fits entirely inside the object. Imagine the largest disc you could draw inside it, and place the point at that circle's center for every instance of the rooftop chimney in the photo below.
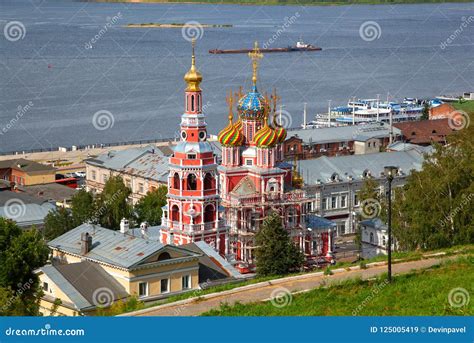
(124, 225)
(86, 243)
(144, 228)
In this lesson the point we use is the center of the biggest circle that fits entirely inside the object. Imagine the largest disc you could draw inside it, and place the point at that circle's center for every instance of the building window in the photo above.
(141, 189)
(356, 200)
(371, 237)
(192, 182)
(325, 203)
(45, 287)
(343, 201)
(164, 286)
(333, 202)
(191, 156)
(143, 289)
(248, 162)
(105, 178)
(383, 241)
(186, 282)
(93, 175)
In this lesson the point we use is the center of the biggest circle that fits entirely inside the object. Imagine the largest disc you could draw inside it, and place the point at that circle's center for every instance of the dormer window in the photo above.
(366, 174)
(334, 177)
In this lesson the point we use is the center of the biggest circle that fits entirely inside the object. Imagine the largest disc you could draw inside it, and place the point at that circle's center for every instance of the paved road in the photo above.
(294, 285)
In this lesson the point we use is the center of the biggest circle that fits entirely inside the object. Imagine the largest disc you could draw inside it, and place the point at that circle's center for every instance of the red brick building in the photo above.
(425, 132)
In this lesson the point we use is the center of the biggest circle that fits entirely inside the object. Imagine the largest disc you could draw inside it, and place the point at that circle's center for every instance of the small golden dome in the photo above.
(193, 77)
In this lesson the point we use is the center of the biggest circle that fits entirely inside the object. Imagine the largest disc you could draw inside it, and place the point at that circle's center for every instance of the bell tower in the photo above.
(192, 211)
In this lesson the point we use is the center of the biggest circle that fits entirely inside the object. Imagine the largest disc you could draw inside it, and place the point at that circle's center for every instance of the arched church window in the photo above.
(192, 182)
(208, 181)
(176, 181)
(175, 213)
(192, 103)
(209, 214)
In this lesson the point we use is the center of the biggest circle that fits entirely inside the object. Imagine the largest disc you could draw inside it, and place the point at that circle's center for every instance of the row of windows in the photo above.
(143, 287)
(335, 202)
(191, 182)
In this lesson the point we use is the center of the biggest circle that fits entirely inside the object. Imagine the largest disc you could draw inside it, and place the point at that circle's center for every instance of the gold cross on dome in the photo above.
(230, 101)
(255, 56)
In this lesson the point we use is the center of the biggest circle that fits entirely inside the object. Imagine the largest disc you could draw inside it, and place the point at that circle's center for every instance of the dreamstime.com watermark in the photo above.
(110, 22)
(14, 31)
(370, 208)
(192, 30)
(287, 22)
(465, 22)
(370, 31)
(458, 297)
(449, 218)
(45, 331)
(376, 289)
(281, 297)
(22, 288)
(20, 112)
(101, 211)
(103, 120)
(103, 297)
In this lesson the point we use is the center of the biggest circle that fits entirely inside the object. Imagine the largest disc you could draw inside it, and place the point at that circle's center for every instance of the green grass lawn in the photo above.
(467, 106)
(418, 293)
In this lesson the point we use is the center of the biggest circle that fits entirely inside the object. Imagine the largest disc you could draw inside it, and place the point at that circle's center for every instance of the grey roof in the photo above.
(375, 223)
(150, 166)
(49, 191)
(147, 162)
(121, 158)
(320, 170)
(108, 246)
(343, 133)
(83, 282)
(212, 266)
(24, 209)
(152, 233)
(316, 222)
(403, 146)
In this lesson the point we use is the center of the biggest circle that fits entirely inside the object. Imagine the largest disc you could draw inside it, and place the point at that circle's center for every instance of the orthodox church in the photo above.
(226, 204)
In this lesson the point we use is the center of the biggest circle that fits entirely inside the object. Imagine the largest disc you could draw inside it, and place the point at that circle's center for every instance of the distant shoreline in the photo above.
(287, 2)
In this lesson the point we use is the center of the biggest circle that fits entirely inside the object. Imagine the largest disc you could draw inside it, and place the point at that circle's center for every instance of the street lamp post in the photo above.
(389, 172)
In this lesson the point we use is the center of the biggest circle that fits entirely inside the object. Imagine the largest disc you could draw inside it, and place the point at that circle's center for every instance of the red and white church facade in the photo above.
(192, 210)
(225, 205)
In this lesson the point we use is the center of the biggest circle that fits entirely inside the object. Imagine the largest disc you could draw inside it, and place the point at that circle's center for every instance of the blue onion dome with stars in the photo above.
(253, 105)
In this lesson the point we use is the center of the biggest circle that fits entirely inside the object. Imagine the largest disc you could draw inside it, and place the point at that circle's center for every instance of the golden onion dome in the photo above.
(193, 77)
(231, 135)
(265, 137)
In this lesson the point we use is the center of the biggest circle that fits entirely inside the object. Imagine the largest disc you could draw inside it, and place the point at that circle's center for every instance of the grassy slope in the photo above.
(423, 293)
(467, 106)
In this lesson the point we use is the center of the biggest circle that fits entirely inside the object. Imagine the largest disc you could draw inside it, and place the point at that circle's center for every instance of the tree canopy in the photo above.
(148, 209)
(21, 252)
(276, 254)
(435, 208)
(112, 204)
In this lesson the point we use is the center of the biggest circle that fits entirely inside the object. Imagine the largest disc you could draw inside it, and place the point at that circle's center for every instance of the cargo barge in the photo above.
(300, 46)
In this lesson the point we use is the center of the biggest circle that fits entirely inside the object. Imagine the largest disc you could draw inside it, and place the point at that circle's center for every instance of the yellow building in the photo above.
(93, 267)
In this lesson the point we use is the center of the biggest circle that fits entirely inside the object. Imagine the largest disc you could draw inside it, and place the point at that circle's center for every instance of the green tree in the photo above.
(276, 254)
(112, 204)
(57, 222)
(82, 207)
(21, 253)
(425, 115)
(435, 208)
(149, 207)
